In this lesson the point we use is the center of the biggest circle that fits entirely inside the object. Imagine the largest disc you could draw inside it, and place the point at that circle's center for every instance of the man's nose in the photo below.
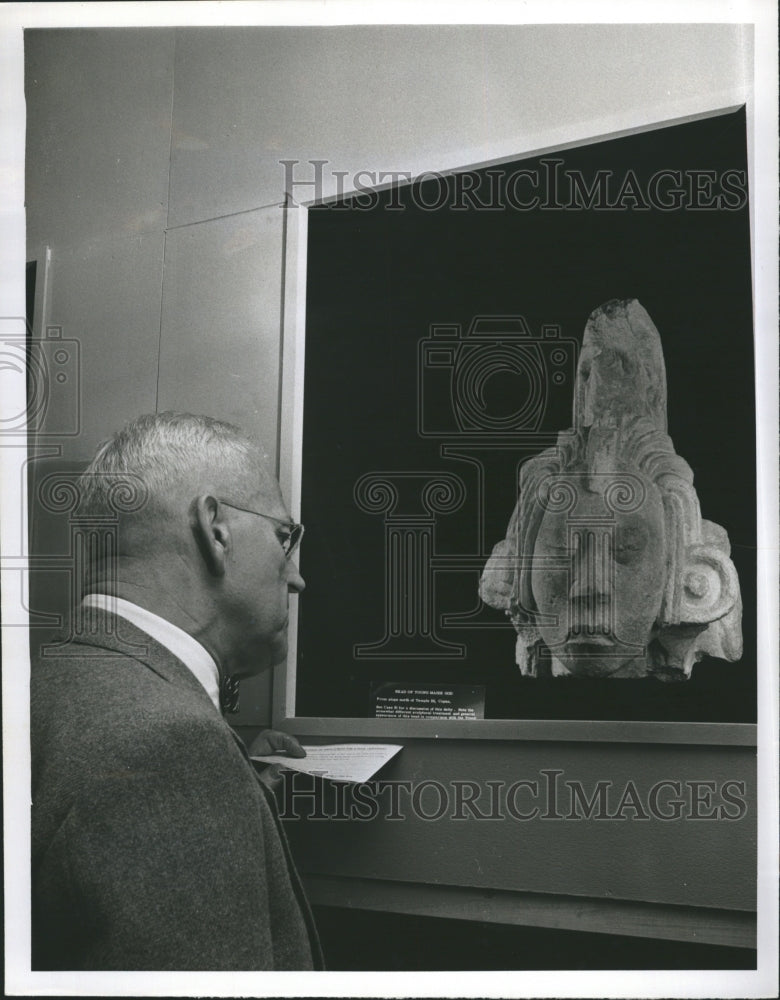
(295, 582)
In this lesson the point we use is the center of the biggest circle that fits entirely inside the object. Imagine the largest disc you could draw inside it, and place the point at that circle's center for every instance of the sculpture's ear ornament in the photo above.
(497, 582)
(710, 586)
(707, 618)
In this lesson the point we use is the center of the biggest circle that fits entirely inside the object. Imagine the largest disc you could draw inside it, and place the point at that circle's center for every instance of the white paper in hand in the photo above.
(338, 761)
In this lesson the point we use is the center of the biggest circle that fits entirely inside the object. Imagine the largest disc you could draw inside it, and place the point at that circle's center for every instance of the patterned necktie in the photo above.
(228, 695)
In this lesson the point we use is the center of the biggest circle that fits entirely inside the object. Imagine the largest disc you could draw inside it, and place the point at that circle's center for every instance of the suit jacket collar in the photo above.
(104, 631)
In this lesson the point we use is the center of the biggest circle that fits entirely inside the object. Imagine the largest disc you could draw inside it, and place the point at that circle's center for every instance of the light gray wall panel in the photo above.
(98, 132)
(221, 321)
(416, 97)
(105, 294)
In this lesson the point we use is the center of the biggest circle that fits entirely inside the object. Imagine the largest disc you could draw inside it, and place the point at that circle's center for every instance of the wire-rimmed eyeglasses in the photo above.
(291, 542)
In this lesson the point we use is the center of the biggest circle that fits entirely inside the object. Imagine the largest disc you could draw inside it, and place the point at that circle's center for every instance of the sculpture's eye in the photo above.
(630, 542)
(552, 540)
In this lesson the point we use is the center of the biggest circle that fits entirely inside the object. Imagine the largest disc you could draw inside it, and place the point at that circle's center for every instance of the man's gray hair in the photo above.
(159, 457)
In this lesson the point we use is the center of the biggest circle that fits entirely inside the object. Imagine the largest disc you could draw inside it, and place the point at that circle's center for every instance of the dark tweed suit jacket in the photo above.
(155, 845)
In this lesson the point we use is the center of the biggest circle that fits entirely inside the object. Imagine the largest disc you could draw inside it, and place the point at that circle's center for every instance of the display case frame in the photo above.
(290, 449)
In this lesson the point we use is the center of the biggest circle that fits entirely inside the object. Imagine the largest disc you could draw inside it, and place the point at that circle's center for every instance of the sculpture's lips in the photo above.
(592, 645)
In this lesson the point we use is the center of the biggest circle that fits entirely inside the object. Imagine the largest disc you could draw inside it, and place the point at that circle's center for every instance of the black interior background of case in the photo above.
(378, 279)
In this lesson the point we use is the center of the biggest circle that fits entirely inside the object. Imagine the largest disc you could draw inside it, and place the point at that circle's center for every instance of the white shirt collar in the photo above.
(191, 653)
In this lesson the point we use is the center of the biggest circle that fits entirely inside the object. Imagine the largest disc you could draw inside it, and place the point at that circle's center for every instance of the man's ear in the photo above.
(710, 587)
(211, 533)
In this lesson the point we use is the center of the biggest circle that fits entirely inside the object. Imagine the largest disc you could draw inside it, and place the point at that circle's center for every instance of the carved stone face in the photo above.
(599, 572)
(608, 593)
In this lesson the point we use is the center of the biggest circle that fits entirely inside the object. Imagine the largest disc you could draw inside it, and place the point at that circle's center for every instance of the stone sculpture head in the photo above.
(608, 568)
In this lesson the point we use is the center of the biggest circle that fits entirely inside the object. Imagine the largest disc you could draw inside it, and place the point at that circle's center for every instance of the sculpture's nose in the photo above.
(590, 594)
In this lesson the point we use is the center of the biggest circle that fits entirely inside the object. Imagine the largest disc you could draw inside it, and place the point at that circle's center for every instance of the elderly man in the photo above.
(155, 844)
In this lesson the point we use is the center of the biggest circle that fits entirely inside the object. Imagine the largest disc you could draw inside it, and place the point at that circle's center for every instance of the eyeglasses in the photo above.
(291, 542)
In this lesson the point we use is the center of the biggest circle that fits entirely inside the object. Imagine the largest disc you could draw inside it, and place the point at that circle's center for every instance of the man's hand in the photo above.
(272, 741)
